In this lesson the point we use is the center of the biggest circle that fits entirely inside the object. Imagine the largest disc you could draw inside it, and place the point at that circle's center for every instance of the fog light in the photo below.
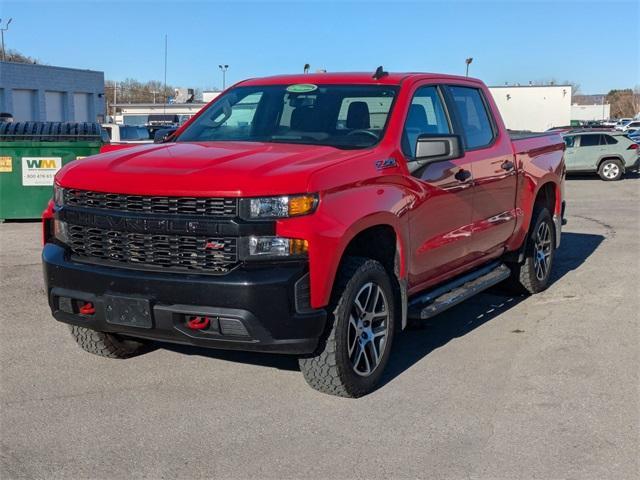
(277, 247)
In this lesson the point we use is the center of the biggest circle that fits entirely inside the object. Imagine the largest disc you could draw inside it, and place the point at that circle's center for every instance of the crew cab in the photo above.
(314, 215)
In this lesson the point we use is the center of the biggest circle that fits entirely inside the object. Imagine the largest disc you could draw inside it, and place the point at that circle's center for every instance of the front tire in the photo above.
(534, 274)
(611, 170)
(355, 351)
(105, 344)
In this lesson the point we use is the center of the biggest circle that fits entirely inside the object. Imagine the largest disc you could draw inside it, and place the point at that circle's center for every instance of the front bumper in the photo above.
(259, 309)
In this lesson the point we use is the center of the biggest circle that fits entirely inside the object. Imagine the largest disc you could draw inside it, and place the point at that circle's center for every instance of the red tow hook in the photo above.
(87, 308)
(198, 323)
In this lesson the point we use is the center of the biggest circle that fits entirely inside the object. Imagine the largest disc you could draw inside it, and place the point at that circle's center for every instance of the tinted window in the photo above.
(609, 139)
(570, 141)
(473, 116)
(342, 116)
(131, 133)
(426, 116)
(590, 140)
(377, 109)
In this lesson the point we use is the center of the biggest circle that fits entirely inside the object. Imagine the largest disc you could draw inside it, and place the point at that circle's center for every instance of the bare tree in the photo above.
(134, 91)
(17, 57)
(625, 102)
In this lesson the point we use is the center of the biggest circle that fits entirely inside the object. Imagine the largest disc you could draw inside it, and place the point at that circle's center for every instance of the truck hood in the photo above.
(203, 169)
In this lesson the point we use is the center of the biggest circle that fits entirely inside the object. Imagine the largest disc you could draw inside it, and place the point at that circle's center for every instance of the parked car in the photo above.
(126, 133)
(609, 123)
(159, 121)
(632, 125)
(620, 124)
(608, 154)
(634, 135)
(314, 215)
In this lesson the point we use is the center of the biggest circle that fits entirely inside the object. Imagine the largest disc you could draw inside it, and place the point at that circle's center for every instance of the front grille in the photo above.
(215, 207)
(196, 254)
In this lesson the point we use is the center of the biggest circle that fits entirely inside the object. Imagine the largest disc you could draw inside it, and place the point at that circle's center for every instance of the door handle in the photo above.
(507, 165)
(463, 175)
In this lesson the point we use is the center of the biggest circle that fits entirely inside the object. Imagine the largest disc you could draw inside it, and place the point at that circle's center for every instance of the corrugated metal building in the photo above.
(47, 93)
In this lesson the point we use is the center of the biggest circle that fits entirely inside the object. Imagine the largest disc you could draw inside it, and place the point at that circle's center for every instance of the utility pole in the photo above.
(468, 62)
(2, 30)
(224, 69)
(164, 108)
(115, 99)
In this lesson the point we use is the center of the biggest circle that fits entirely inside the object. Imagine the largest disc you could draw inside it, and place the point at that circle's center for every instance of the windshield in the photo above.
(341, 116)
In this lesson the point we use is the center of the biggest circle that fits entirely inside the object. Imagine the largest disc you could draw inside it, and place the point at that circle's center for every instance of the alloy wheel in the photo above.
(368, 329)
(542, 251)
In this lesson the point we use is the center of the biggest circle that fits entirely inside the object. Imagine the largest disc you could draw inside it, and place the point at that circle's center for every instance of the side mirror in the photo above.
(163, 134)
(436, 148)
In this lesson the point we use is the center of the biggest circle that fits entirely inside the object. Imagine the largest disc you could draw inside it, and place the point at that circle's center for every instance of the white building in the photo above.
(208, 95)
(598, 111)
(533, 107)
(138, 113)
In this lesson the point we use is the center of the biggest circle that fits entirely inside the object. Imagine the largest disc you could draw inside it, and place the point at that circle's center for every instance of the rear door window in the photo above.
(473, 116)
(590, 140)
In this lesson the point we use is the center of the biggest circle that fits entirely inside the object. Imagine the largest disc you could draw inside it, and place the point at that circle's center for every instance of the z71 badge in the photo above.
(388, 163)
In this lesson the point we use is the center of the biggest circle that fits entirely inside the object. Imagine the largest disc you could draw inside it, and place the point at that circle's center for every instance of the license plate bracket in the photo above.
(128, 311)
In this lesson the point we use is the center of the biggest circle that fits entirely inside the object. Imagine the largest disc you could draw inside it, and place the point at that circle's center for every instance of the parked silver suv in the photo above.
(609, 154)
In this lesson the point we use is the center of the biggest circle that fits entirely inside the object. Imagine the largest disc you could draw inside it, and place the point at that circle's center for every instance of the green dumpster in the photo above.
(30, 155)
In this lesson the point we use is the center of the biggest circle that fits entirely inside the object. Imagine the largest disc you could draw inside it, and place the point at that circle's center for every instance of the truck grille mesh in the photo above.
(215, 207)
(168, 252)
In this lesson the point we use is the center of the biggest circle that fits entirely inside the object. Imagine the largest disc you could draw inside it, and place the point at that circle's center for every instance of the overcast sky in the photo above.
(593, 43)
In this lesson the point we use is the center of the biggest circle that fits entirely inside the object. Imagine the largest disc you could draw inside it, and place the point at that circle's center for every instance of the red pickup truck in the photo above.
(314, 215)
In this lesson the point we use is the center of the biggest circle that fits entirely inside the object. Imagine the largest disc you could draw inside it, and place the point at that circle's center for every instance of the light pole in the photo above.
(468, 62)
(224, 69)
(2, 30)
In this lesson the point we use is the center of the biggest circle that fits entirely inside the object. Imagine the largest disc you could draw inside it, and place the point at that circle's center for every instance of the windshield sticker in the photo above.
(302, 88)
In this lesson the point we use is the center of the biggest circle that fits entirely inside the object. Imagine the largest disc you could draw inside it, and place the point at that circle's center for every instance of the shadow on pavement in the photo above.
(594, 176)
(416, 343)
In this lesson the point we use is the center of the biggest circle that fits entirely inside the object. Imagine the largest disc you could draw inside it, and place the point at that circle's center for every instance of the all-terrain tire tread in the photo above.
(523, 275)
(321, 371)
(103, 344)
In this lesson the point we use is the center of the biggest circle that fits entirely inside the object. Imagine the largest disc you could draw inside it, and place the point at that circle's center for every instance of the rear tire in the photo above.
(352, 356)
(611, 170)
(533, 275)
(105, 344)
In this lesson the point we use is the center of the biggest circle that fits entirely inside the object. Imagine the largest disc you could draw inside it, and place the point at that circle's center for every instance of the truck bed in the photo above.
(522, 134)
(534, 143)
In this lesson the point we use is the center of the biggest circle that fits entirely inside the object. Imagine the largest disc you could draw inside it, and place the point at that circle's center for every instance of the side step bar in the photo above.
(433, 302)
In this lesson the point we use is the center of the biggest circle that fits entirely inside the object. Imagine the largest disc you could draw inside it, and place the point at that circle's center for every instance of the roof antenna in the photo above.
(379, 73)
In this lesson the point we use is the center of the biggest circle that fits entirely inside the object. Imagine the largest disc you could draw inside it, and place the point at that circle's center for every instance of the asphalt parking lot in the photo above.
(500, 387)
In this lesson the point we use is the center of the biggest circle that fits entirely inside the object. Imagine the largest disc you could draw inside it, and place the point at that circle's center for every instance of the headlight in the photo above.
(60, 231)
(281, 207)
(266, 247)
(58, 195)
